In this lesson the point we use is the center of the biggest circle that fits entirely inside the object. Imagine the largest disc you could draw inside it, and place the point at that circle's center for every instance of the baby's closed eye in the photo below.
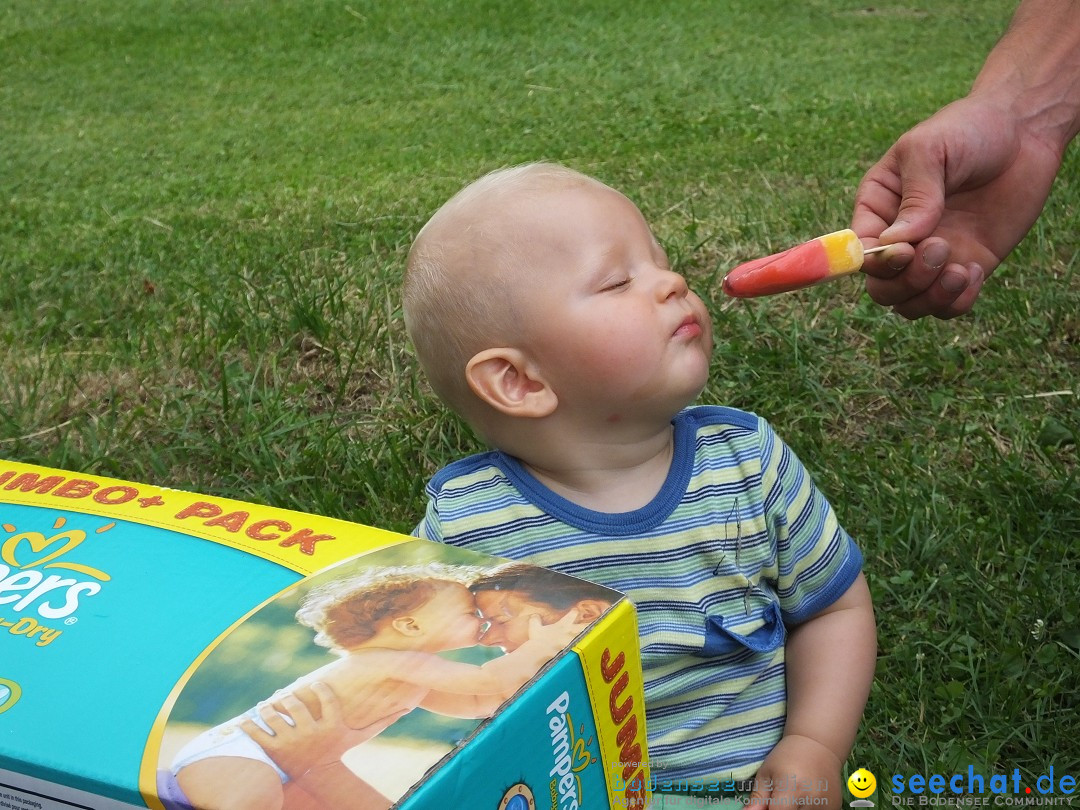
(616, 284)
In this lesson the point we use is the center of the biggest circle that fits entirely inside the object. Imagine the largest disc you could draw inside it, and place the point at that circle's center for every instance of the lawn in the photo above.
(206, 208)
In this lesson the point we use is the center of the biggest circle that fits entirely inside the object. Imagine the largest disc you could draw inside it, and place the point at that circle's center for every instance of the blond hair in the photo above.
(458, 296)
(347, 612)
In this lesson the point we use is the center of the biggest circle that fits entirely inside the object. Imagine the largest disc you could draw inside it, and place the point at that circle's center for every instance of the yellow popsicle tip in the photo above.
(844, 250)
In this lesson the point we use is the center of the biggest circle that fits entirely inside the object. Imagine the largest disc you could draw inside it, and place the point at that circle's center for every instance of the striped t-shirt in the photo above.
(737, 543)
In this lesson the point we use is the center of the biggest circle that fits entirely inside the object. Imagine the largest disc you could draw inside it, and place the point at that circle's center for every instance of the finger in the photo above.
(966, 300)
(254, 730)
(273, 720)
(890, 262)
(938, 298)
(930, 259)
(922, 192)
(760, 797)
(877, 200)
(329, 705)
(952, 295)
(787, 796)
(309, 700)
(294, 707)
(570, 618)
(536, 627)
(271, 716)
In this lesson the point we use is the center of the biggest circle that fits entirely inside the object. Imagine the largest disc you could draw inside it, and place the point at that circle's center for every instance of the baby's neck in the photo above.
(608, 478)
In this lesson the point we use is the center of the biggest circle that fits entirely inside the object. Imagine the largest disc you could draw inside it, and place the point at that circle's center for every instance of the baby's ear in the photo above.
(406, 625)
(507, 381)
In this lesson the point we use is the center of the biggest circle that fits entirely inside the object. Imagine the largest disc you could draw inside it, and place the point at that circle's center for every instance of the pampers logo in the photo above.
(32, 594)
(974, 789)
(570, 755)
(9, 694)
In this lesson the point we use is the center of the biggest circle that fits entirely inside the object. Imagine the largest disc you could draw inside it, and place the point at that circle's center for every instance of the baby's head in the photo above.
(466, 269)
(537, 288)
(431, 603)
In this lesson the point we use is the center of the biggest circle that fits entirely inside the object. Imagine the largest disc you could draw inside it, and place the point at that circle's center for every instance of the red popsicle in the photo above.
(827, 257)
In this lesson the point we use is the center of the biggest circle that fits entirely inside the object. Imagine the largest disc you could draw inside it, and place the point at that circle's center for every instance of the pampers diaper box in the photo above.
(140, 626)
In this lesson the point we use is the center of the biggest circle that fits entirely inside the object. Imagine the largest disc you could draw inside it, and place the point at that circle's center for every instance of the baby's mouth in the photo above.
(688, 328)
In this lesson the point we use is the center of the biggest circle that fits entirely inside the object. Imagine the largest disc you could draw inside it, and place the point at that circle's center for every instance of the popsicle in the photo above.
(827, 257)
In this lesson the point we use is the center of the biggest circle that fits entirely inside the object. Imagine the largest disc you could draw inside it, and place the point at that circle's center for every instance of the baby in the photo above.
(544, 312)
(386, 625)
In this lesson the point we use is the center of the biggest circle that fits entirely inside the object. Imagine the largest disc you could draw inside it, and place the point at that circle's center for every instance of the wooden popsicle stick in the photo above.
(878, 249)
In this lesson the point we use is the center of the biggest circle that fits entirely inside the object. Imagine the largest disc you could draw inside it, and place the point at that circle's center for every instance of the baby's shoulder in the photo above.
(465, 473)
(479, 483)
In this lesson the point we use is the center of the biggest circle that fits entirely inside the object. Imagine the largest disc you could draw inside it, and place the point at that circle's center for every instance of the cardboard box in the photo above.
(134, 618)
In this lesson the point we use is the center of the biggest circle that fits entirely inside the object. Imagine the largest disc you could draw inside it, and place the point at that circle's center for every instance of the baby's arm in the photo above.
(507, 672)
(470, 707)
(830, 666)
(470, 691)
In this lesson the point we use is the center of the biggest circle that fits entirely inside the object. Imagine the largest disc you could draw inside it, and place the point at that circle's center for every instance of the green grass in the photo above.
(206, 208)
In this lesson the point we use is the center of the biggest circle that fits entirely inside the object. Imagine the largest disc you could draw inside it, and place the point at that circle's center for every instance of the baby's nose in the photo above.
(672, 284)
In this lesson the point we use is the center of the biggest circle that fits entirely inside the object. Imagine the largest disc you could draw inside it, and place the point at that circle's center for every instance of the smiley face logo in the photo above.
(862, 783)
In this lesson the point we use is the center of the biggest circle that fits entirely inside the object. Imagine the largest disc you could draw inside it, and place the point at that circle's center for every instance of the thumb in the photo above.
(922, 197)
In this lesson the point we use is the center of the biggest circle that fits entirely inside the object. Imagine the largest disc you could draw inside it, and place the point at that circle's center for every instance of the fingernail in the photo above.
(936, 255)
(953, 282)
(899, 225)
(896, 262)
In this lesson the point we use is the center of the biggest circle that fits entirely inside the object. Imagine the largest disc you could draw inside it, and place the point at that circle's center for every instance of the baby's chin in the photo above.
(693, 393)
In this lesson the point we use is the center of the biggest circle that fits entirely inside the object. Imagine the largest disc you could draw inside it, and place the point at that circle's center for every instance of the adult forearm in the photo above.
(1035, 69)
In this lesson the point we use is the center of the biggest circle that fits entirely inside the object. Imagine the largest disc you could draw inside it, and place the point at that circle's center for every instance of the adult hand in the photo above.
(317, 736)
(310, 748)
(964, 187)
(967, 184)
